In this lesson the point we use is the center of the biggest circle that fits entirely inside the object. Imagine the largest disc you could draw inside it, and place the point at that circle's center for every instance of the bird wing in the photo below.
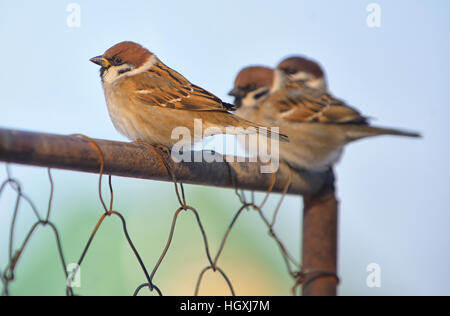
(315, 105)
(162, 86)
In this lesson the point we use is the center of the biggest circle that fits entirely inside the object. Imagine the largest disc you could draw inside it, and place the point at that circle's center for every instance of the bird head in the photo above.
(303, 71)
(123, 59)
(252, 85)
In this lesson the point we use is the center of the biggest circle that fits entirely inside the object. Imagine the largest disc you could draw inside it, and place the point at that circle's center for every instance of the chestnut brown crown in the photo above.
(128, 52)
(295, 64)
(253, 81)
(253, 77)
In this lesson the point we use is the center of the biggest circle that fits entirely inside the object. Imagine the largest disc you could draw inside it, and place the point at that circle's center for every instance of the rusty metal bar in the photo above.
(137, 161)
(320, 235)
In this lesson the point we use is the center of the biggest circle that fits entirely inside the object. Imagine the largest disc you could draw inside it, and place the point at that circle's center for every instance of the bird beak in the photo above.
(235, 92)
(101, 61)
(237, 102)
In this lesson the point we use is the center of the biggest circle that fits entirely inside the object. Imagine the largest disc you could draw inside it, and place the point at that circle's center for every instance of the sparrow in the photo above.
(147, 100)
(318, 125)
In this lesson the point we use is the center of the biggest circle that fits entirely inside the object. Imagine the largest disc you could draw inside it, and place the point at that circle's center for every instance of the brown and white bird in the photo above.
(318, 125)
(147, 100)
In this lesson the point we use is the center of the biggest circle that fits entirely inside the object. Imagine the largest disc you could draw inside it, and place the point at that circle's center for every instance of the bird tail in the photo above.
(232, 124)
(355, 132)
(263, 130)
(271, 134)
(248, 128)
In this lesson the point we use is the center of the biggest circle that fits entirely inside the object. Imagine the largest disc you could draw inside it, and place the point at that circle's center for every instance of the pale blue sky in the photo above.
(393, 192)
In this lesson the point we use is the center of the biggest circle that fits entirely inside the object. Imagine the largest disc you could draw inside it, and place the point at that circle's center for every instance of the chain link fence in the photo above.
(298, 274)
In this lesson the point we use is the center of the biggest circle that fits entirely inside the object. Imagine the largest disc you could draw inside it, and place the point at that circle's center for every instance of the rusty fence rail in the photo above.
(137, 161)
(317, 275)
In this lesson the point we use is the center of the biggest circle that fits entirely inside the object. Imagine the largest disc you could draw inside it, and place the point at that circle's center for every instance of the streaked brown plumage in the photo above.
(318, 125)
(147, 100)
(313, 105)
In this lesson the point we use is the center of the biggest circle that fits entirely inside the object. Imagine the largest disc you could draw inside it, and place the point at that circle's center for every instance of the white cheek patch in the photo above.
(250, 99)
(114, 73)
(301, 75)
(318, 83)
(309, 80)
(279, 81)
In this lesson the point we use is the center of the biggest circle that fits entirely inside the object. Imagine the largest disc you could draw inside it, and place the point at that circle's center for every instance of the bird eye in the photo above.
(118, 61)
(251, 87)
(290, 71)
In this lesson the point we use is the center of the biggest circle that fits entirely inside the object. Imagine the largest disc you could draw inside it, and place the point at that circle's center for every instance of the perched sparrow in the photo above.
(147, 100)
(318, 125)
(303, 72)
(304, 76)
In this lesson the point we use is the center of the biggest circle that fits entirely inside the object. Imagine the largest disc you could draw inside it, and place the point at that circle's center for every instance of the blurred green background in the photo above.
(250, 258)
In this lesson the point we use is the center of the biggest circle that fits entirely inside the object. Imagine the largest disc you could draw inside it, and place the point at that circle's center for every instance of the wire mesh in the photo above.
(15, 254)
